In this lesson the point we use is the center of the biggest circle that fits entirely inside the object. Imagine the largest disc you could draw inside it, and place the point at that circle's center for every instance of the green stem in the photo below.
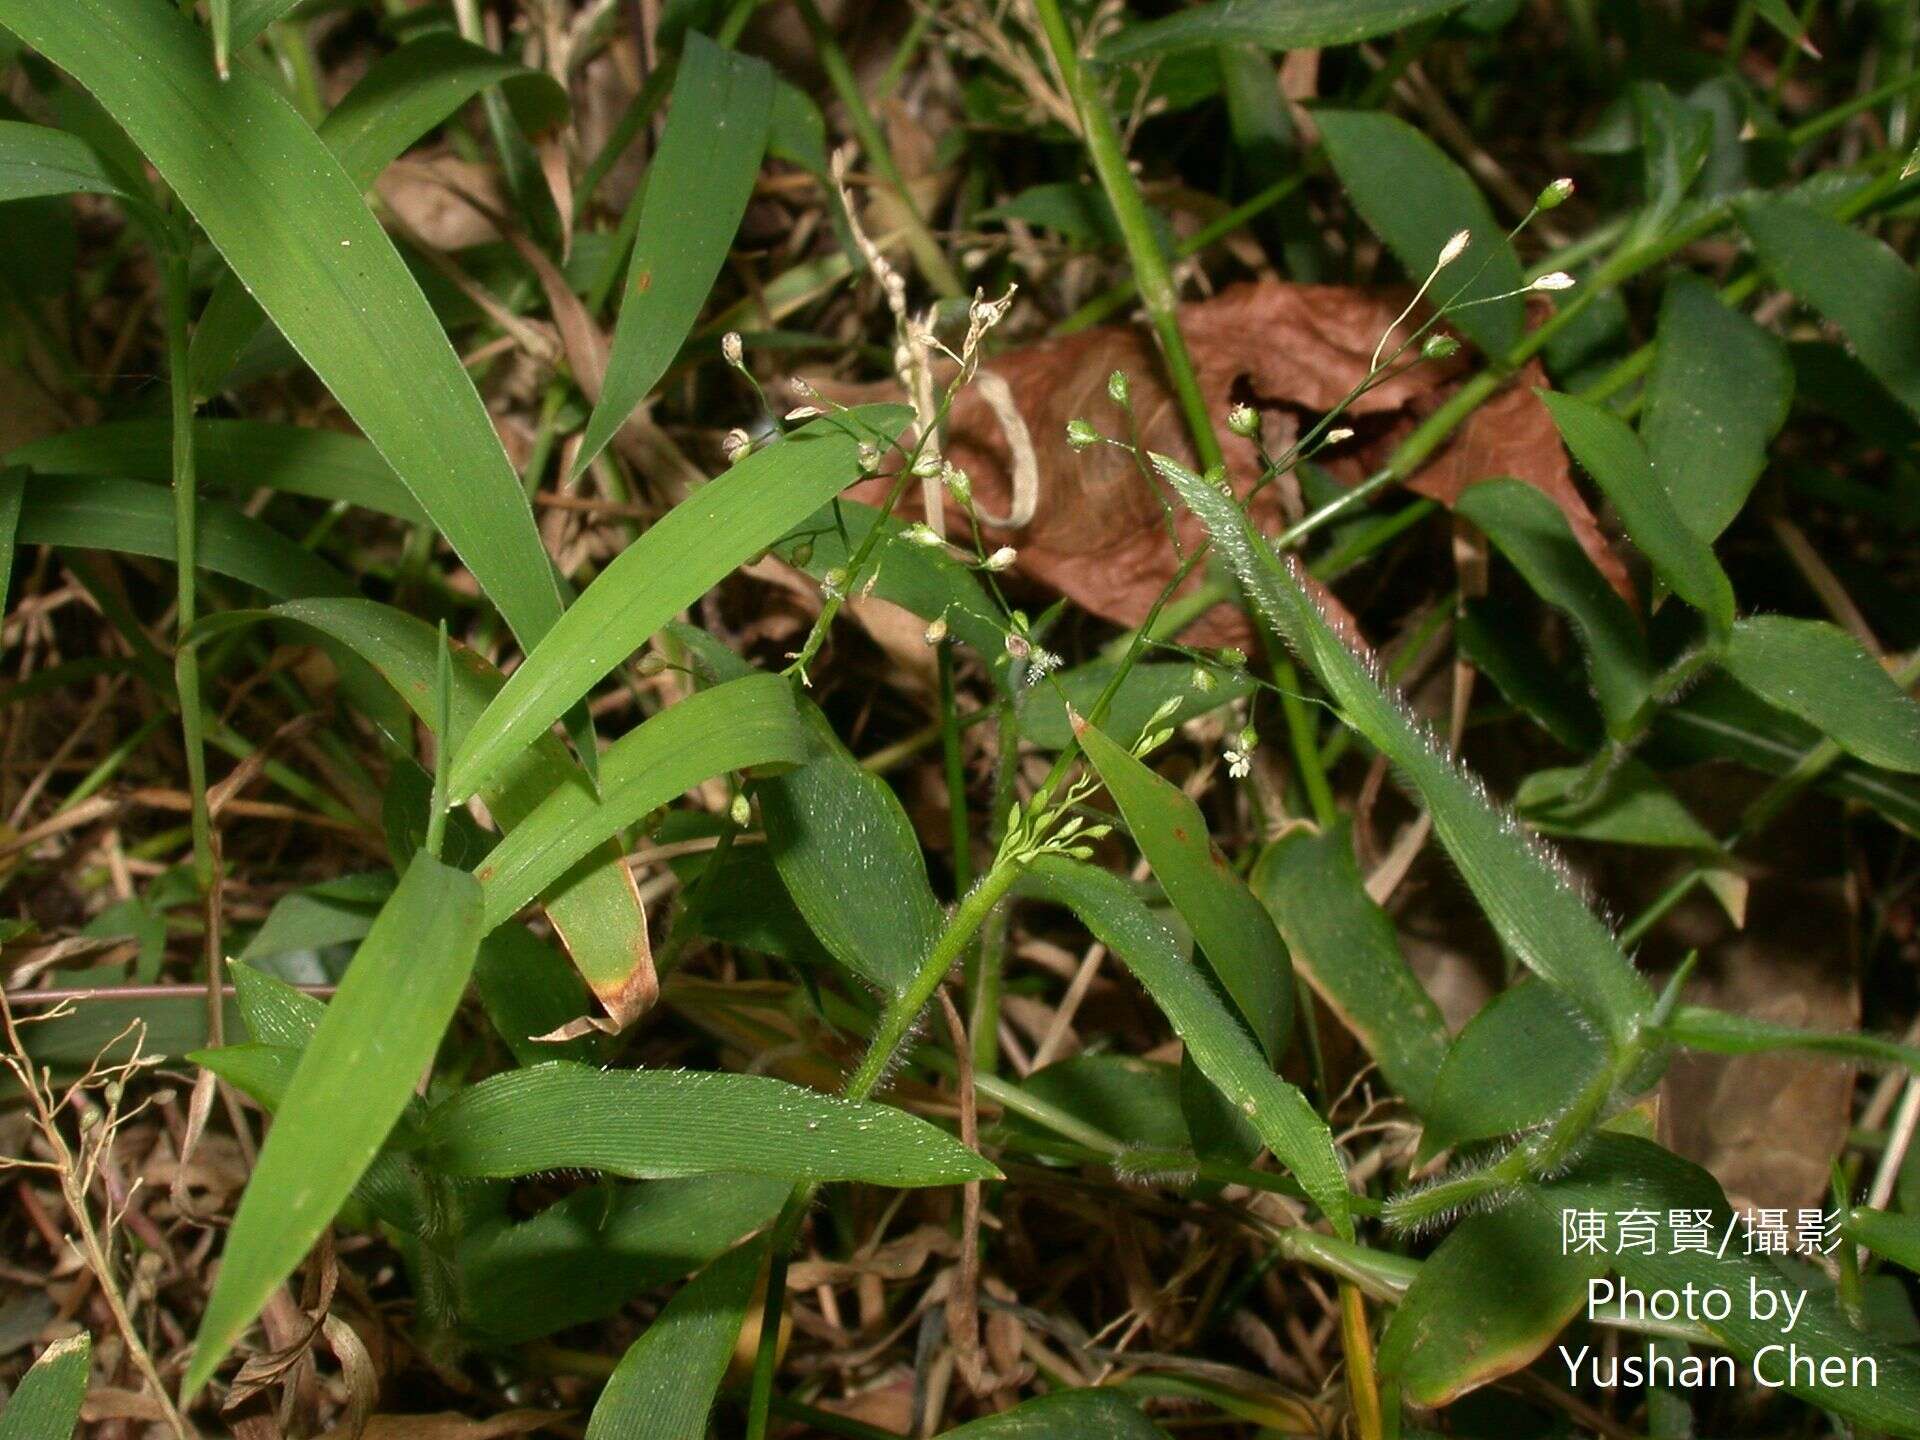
(896, 1021)
(1301, 735)
(186, 531)
(956, 771)
(1136, 228)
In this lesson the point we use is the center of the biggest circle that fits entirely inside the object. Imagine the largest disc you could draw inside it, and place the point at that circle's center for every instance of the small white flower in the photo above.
(1556, 194)
(1042, 662)
(1339, 436)
(869, 457)
(833, 584)
(1453, 249)
(736, 445)
(922, 534)
(1244, 421)
(1239, 752)
(803, 412)
(733, 350)
(1001, 559)
(1558, 280)
(740, 812)
(936, 630)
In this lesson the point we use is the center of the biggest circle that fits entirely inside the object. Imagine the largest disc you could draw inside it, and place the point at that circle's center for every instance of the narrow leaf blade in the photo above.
(664, 1385)
(696, 192)
(1614, 456)
(1233, 929)
(1219, 1045)
(379, 1034)
(687, 552)
(1528, 898)
(1822, 674)
(661, 1124)
(290, 221)
(46, 1404)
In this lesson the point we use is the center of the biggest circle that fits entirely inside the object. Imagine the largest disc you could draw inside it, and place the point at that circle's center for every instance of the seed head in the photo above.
(1080, 434)
(1558, 280)
(1001, 559)
(922, 534)
(1117, 388)
(736, 445)
(1455, 247)
(1556, 194)
(1244, 421)
(936, 630)
(958, 485)
(733, 350)
(1440, 347)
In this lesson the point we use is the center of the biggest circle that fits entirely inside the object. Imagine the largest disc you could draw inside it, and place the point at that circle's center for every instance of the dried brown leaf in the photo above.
(1098, 534)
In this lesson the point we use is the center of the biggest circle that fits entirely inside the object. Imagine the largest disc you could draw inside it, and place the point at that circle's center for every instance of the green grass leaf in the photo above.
(1699, 1027)
(233, 455)
(1720, 720)
(1822, 674)
(1486, 1303)
(240, 22)
(697, 189)
(13, 497)
(38, 160)
(664, 1385)
(1272, 24)
(1091, 1414)
(664, 1124)
(1612, 454)
(135, 518)
(1415, 198)
(1852, 279)
(46, 1404)
(1229, 925)
(290, 222)
(1346, 947)
(1516, 1064)
(1894, 1237)
(848, 855)
(585, 1257)
(1720, 390)
(747, 722)
(404, 94)
(353, 1081)
(1533, 534)
(1217, 1042)
(1630, 806)
(678, 559)
(596, 907)
(1531, 903)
